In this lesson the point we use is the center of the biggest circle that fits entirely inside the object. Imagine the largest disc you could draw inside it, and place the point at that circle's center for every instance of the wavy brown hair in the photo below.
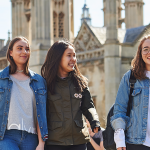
(137, 63)
(13, 66)
(50, 67)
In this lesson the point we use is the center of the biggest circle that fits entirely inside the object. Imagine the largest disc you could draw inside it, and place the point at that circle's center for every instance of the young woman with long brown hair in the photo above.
(138, 124)
(23, 123)
(68, 100)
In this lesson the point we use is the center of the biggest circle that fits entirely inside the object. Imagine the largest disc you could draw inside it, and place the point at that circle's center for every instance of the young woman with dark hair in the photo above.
(23, 123)
(68, 100)
(138, 124)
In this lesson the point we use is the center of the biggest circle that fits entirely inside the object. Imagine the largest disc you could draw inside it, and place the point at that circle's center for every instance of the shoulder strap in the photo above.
(132, 81)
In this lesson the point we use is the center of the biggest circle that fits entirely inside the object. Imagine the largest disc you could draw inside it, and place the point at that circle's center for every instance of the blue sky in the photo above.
(95, 8)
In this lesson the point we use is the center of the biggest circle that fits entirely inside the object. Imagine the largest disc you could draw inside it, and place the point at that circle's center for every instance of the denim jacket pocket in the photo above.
(136, 97)
(1, 94)
(42, 95)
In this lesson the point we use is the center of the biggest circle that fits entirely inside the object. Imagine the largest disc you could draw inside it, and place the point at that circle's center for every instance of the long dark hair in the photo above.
(13, 66)
(50, 67)
(137, 63)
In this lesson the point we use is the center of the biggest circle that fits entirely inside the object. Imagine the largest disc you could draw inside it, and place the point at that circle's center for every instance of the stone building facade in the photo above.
(3, 50)
(104, 53)
(42, 22)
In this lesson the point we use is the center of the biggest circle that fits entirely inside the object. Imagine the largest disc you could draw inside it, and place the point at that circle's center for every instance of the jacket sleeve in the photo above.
(119, 119)
(88, 109)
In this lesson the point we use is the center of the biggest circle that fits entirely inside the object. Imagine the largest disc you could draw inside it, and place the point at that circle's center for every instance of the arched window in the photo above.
(61, 25)
(55, 24)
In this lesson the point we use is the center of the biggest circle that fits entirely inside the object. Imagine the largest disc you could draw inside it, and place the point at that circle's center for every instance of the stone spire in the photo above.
(112, 58)
(8, 35)
(133, 13)
(8, 38)
(112, 21)
(1, 43)
(120, 19)
(40, 22)
(63, 19)
(86, 15)
(41, 32)
(20, 23)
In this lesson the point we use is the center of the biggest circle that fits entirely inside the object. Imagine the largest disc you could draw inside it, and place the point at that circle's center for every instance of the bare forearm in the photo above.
(95, 145)
(41, 142)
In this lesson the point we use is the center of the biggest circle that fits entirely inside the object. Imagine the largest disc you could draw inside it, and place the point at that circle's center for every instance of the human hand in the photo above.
(40, 147)
(121, 148)
(90, 131)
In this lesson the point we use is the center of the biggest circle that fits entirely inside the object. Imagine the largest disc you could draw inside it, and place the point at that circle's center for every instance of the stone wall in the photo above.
(3, 63)
(94, 71)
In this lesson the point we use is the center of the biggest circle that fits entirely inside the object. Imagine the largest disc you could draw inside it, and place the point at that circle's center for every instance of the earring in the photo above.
(11, 57)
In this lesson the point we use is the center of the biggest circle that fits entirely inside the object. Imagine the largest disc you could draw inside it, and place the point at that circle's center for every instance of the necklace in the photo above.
(19, 70)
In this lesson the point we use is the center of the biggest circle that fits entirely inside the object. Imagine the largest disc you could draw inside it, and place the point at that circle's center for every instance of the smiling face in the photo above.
(67, 62)
(20, 52)
(146, 57)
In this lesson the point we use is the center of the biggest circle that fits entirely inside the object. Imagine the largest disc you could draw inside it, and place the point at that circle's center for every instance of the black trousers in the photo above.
(136, 147)
(70, 147)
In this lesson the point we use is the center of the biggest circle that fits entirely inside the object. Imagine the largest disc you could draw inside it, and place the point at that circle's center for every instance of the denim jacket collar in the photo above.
(5, 74)
(32, 75)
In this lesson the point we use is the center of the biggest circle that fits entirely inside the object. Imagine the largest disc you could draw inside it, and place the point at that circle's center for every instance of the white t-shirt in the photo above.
(22, 110)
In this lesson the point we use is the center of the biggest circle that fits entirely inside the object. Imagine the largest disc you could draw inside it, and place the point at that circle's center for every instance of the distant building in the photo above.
(104, 54)
(42, 22)
(3, 50)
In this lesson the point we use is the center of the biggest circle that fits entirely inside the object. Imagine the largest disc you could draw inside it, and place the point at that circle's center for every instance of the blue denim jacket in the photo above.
(38, 86)
(136, 124)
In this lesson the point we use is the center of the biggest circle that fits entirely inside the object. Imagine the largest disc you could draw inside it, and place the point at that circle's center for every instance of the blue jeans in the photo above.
(18, 140)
